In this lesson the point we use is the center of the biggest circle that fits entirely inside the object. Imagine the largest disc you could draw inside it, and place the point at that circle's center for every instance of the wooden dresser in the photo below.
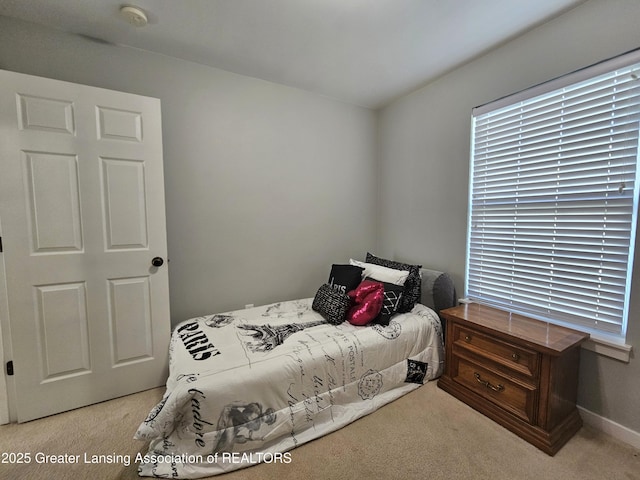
(520, 372)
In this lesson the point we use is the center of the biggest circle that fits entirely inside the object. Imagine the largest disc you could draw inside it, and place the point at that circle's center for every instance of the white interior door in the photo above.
(82, 211)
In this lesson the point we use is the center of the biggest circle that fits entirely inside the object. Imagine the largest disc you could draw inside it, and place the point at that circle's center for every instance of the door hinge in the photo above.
(0, 244)
(10, 367)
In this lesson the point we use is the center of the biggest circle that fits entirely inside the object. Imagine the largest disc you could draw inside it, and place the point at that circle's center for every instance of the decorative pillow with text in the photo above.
(344, 278)
(331, 304)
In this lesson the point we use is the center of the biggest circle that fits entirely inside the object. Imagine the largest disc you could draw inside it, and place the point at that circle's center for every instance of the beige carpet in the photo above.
(426, 434)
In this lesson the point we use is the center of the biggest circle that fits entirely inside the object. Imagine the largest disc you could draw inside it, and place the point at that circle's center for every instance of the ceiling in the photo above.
(365, 52)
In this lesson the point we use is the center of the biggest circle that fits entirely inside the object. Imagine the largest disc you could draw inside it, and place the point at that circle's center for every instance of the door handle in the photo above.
(157, 261)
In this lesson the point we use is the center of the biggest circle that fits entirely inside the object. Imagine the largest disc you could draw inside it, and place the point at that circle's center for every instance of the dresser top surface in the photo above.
(552, 338)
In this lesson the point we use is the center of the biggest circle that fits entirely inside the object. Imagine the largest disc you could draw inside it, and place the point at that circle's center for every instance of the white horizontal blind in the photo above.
(554, 202)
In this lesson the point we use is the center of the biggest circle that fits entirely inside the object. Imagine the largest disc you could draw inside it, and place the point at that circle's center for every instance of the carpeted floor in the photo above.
(426, 434)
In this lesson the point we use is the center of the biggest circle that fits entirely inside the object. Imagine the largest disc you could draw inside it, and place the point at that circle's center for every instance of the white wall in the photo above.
(266, 185)
(424, 164)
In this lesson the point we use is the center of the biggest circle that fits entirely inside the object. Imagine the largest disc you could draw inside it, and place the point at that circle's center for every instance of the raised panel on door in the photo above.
(130, 316)
(82, 210)
(125, 209)
(115, 124)
(47, 114)
(63, 336)
(53, 200)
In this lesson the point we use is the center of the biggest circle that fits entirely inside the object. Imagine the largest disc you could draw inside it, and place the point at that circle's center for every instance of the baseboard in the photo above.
(617, 431)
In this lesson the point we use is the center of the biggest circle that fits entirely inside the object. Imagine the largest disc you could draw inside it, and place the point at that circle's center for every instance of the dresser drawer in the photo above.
(513, 357)
(517, 398)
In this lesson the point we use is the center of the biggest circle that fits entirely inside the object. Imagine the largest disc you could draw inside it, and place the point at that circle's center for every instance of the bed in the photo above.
(248, 386)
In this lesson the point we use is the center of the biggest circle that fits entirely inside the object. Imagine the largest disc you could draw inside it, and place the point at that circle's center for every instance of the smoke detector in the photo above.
(134, 15)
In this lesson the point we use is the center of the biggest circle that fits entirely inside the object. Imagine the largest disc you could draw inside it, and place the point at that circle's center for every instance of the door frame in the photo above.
(7, 392)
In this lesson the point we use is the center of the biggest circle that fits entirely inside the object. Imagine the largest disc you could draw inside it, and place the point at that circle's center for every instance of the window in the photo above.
(554, 197)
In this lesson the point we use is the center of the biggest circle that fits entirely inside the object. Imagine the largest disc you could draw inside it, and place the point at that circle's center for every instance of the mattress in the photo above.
(250, 385)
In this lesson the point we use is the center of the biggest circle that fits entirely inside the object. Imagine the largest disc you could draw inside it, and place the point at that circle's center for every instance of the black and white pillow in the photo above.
(393, 295)
(344, 278)
(331, 304)
(412, 286)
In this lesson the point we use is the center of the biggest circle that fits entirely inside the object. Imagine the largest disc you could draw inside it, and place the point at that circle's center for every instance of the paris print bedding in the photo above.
(248, 386)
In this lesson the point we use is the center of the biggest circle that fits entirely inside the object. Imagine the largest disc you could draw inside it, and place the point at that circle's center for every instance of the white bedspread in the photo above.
(248, 386)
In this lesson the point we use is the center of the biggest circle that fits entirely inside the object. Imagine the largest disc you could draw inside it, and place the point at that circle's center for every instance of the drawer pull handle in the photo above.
(515, 356)
(467, 338)
(498, 388)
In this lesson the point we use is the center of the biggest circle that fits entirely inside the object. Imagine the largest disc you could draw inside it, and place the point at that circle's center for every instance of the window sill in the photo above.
(618, 351)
